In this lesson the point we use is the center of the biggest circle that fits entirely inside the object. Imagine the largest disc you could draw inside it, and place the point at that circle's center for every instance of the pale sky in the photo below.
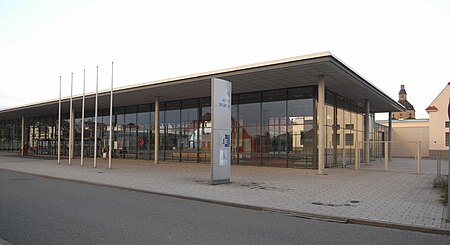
(387, 42)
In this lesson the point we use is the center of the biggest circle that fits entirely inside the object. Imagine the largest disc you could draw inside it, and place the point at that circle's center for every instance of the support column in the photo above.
(321, 123)
(389, 138)
(156, 130)
(366, 131)
(22, 137)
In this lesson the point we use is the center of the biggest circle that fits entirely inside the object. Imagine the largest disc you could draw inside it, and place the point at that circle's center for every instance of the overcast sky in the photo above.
(387, 42)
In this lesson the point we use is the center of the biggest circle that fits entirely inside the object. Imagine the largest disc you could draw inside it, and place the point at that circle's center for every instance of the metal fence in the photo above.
(399, 155)
(389, 155)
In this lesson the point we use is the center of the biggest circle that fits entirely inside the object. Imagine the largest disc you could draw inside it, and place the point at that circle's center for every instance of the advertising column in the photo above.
(221, 131)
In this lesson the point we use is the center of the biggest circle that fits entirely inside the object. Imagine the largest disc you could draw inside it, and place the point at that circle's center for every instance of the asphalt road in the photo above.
(36, 210)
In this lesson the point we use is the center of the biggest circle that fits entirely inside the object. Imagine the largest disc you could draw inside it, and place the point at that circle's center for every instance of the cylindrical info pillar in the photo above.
(321, 123)
(22, 137)
(366, 131)
(156, 130)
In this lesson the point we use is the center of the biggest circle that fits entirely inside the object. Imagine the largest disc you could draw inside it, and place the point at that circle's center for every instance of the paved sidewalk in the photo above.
(392, 198)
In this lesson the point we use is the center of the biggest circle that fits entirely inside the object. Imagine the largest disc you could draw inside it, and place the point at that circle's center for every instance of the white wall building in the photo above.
(439, 119)
(405, 134)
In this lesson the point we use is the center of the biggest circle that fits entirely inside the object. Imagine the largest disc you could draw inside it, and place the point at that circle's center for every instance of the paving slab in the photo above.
(384, 198)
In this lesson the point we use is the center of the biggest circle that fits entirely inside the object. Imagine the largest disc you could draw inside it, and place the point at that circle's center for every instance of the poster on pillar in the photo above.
(221, 131)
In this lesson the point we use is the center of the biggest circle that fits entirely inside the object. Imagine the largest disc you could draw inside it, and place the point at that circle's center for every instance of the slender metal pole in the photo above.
(70, 123)
(110, 116)
(95, 121)
(59, 123)
(82, 120)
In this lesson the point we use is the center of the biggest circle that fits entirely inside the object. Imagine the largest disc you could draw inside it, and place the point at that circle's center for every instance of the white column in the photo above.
(321, 123)
(59, 123)
(110, 118)
(156, 130)
(95, 121)
(82, 120)
(71, 121)
(366, 131)
(22, 137)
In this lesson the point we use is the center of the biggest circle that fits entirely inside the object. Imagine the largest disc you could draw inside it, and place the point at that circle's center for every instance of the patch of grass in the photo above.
(445, 194)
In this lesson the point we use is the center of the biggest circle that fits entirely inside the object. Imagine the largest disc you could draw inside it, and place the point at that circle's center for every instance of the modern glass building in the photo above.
(276, 117)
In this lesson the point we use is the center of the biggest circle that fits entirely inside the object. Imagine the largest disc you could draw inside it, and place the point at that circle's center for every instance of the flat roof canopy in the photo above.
(287, 73)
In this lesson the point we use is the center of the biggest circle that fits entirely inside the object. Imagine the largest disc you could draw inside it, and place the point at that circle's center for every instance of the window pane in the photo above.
(249, 145)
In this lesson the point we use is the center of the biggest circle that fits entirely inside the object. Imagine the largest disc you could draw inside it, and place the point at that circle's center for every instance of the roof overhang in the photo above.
(279, 74)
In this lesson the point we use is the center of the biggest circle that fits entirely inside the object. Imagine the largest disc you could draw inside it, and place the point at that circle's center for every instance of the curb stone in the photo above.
(3, 242)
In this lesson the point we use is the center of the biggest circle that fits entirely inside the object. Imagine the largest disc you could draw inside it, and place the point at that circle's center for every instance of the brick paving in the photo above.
(386, 197)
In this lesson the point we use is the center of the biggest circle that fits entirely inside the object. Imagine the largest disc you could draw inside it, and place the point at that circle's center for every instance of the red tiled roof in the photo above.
(431, 108)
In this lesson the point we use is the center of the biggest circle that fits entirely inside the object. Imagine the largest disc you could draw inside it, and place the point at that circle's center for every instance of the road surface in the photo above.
(37, 210)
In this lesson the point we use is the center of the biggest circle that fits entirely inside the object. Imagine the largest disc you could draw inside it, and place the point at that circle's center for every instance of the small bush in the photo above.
(441, 182)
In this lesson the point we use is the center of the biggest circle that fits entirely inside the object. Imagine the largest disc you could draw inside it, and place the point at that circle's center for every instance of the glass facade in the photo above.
(301, 136)
(344, 128)
(269, 128)
(10, 135)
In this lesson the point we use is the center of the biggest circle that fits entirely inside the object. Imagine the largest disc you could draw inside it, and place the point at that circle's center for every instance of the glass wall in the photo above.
(172, 131)
(345, 127)
(41, 135)
(269, 128)
(10, 135)
(301, 131)
(144, 127)
(131, 142)
(104, 130)
(204, 137)
(249, 128)
(274, 126)
(189, 130)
